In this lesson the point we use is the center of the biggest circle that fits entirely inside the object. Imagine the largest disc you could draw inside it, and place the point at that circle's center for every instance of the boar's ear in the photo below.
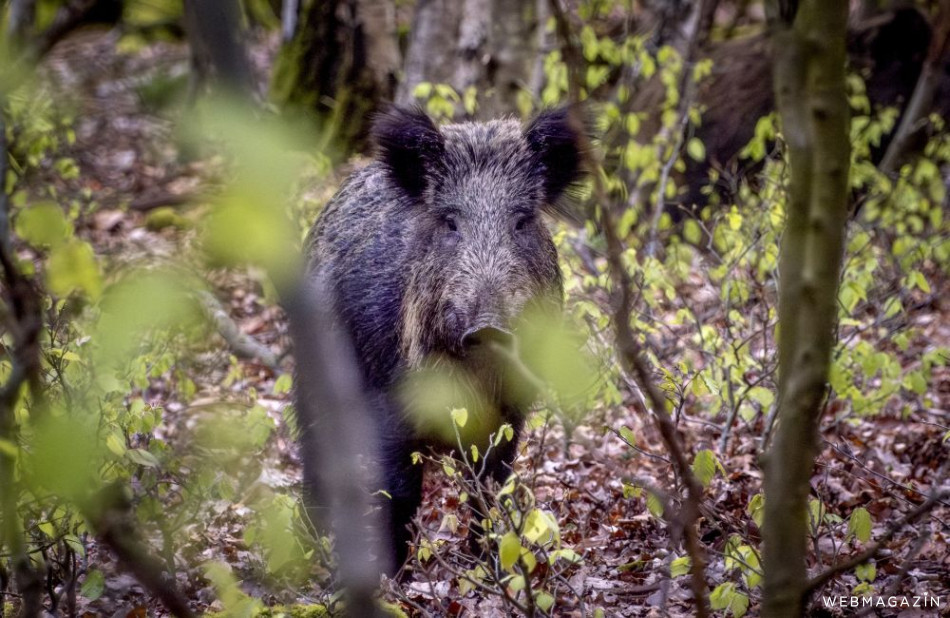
(555, 139)
(409, 145)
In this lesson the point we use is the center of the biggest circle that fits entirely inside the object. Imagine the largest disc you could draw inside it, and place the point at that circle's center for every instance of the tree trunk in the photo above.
(214, 34)
(20, 21)
(432, 43)
(515, 42)
(338, 68)
(810, 91)
(545, 44)
(483, 44)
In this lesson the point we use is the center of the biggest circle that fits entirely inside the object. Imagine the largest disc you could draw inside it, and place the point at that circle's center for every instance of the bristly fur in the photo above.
(442, 235)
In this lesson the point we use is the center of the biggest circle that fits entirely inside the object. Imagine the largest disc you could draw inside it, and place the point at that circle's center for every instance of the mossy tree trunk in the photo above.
(338, 68)
(810, 91)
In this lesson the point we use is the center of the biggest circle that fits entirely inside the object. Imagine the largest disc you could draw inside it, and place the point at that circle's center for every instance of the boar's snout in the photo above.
(485, 335)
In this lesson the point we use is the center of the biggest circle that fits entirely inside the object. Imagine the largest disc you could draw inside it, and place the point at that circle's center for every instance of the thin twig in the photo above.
(629, 350)
(871, 552)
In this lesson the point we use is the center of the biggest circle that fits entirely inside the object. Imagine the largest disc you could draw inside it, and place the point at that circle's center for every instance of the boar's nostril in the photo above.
(485, 335)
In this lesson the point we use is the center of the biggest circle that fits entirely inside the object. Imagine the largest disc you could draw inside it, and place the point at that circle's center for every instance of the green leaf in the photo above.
(422, 90)
(921, 281)
(565, 554)
(692, 232)
(627, 434)
(735, 219)
(72, 267)
(864, 589)
(763, 396)
(540, 525)
(142, 457)
(859, 524)
(544, 601)
(739, 605)
(283, 384)
(695, 149)
(680, 566)
(704, 466)
(627, 220)
(654, 504)
(509, 548)
(722, 595)
(756, 509)
(139, 302)
(726, 597)
(116, 443)
(94, 585)
(866, 572)
(43, 225)
(8, 448)
(460, 416)
(816, 512)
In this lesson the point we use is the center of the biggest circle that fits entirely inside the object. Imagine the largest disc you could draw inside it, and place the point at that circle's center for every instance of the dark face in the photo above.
(485, 255)
(481, 253)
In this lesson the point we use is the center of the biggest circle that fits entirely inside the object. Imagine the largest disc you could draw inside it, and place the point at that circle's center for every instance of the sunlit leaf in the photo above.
(680, 566)
(43, 225)
(72, 267)
(859, 524)
(509, 548)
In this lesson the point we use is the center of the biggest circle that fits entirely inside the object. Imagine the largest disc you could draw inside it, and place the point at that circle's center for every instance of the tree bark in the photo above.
(214, 34)
(483, 44)
(432, 41)
(338, 68)
(21, 18)
(810, 91)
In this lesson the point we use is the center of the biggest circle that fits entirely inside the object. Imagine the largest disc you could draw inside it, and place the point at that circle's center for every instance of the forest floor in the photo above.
(147, 190)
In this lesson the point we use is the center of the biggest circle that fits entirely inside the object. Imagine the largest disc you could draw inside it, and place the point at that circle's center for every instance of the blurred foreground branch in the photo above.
(109, 514)
(24, 320)
(333, 421)
(335, 433)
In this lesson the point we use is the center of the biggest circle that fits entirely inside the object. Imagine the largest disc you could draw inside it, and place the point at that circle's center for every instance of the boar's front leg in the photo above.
(403, 482)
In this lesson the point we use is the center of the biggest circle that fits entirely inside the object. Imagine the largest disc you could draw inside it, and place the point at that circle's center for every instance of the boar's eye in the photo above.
(522, 222)
(450, 224)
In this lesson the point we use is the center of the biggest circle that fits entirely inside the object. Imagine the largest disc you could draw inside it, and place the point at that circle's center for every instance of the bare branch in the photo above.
(871, 552)
(244, 346)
